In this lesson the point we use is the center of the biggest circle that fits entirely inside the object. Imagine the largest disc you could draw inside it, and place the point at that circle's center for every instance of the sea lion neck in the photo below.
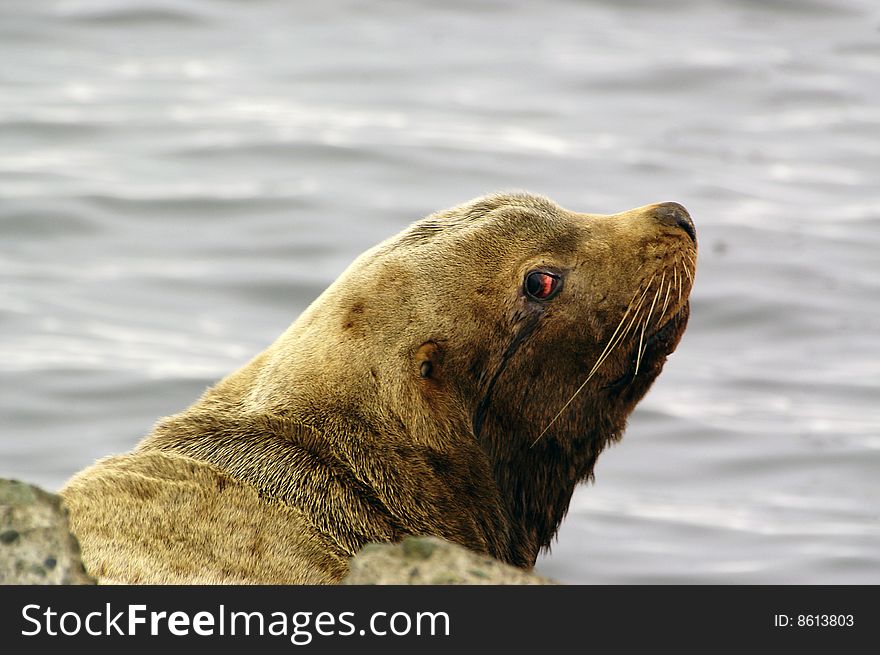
(536, 479)
(369, 475)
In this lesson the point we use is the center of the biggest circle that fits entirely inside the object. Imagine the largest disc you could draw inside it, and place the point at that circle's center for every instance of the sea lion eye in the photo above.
(541, 285)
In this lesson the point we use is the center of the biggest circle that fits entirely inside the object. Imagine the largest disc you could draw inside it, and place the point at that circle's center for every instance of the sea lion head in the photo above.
(511, 309)
(493, 348)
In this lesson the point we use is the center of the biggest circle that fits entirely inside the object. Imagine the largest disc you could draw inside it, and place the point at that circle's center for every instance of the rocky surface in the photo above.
(36, 546)
(427, 561)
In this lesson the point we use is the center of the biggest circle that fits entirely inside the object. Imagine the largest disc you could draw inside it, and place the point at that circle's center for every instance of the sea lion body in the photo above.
(458, 380)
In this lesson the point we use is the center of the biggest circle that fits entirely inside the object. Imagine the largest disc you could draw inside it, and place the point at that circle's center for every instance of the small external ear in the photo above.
(428, 358)
(426, 368)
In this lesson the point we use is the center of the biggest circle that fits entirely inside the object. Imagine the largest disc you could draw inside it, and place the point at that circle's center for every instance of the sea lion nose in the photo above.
(673, 214)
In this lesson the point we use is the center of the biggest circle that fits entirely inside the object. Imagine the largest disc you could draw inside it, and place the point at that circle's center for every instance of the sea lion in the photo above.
(458, 380)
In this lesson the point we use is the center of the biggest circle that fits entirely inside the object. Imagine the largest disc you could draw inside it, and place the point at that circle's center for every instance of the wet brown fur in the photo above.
(412, 397)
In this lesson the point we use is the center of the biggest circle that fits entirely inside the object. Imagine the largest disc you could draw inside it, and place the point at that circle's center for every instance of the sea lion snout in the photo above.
(675, 215)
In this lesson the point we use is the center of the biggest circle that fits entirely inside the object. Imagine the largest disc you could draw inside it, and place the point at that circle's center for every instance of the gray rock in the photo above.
(429, 560)
(36, 546)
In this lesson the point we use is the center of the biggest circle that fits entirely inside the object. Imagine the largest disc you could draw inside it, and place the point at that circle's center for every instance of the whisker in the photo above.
(634, 320)
(662, 280)
(665, 301)
(622, 319)
(642, 354)
(641, 340)
(654, 302)
(679, 286)
(610, 348)
(645, 327)
(612, 342)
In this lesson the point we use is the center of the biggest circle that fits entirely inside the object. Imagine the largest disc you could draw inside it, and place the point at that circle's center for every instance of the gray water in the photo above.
(180, 178)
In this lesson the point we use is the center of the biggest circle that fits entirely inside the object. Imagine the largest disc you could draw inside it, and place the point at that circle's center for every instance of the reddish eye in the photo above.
(541, 285)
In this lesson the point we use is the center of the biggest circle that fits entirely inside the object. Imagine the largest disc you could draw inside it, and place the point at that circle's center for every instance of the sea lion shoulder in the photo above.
(162, 518)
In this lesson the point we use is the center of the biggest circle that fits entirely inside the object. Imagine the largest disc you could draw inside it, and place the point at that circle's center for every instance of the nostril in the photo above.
(673, 214)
